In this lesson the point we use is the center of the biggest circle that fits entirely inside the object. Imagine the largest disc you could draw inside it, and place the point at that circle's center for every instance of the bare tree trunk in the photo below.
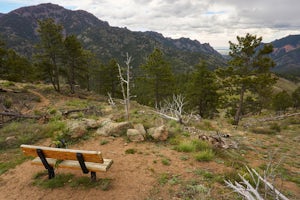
(240, 107)
(126, 92)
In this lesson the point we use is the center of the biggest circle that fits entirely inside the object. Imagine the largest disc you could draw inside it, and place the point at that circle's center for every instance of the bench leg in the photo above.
(93, 176)
(51, 173)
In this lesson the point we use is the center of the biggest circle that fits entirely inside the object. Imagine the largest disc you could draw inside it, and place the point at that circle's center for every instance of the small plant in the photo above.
(166, 161)
(103, 142)
(185, 146)
(275, 127)
(163, 178)
(184, 157)
(7, 103)
(130, 151)
(204, 156)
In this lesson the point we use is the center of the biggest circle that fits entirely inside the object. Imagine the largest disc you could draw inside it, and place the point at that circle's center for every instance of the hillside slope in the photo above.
(286, 54)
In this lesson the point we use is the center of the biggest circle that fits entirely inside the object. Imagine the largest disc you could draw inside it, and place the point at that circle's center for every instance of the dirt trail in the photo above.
(133, 175)
(44, 102)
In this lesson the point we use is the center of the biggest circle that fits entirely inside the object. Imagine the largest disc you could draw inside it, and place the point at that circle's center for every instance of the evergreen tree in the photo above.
(296, 98)
(14, 67)
(202, 91)
(249, 70)
(74, 61)
(109, 81)
(282, 101)
(50, 49)
(156, 82)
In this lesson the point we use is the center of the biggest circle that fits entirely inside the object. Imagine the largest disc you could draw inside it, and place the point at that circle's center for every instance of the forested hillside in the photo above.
(18, 29)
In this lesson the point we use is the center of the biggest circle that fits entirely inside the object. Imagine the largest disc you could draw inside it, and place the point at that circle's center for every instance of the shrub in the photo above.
(206, 155)
(185, 146)
(130, 151)
(275, 127)
(166, 161)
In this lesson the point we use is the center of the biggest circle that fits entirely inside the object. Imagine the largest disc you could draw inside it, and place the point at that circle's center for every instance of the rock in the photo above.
(91, 123)
(135, 135)
(10, 140)
(159, 133)
(141, 129)
(77, 129)
(114, 129)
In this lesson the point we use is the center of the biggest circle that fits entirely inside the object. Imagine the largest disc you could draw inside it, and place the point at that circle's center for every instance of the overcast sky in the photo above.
(208, 21)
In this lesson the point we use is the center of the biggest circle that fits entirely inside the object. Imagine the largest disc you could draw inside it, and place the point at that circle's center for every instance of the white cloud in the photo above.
(212, 21)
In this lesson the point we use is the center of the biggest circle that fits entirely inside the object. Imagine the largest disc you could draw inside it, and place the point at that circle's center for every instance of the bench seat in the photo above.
(54, 158)
(73, 164)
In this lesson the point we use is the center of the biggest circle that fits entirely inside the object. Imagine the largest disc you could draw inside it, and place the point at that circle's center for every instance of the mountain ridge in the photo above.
(18, 28)
(286, 54)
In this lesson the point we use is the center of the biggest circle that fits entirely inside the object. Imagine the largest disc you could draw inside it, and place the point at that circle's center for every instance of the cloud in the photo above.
(212, 21)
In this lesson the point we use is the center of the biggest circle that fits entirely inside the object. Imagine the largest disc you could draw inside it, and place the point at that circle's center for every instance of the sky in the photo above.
(209, 21)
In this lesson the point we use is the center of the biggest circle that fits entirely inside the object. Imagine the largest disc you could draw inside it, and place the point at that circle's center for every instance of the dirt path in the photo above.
(44, 102)
(133, 175)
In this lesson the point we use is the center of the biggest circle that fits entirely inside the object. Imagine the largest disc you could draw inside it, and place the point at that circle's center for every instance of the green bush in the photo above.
(185, 146)
(275, 127)
(205, 156)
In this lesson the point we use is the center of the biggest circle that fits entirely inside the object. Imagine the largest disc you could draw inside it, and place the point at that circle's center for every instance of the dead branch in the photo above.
(110, 100)
(281, 117)
(18, 115)
(173, 109)
(250, 192)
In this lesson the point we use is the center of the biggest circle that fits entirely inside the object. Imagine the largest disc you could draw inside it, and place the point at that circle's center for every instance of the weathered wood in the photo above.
(18, 115)
(63, 154)
(280, 117)
(72, 164)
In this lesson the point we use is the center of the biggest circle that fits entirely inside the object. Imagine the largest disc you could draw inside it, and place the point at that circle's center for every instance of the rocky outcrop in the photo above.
(159, 133)
(111, 128)
(135, 135)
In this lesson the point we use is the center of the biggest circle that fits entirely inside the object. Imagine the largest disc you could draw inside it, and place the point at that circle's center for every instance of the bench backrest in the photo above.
(63, 154)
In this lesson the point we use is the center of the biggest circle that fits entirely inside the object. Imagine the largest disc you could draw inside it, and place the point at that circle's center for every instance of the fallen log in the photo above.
(280, 117)
(18, 115)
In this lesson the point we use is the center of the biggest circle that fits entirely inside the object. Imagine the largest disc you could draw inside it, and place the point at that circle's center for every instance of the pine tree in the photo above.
(202, 91)
(50, 49)
(156, 82)
(74, 61)
(249, 70)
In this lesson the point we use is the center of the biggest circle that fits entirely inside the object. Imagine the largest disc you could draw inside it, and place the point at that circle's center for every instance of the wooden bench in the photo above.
(50, 158)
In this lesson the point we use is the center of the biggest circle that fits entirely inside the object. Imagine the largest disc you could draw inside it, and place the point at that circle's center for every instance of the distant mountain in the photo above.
(286, 54)
(18, 29)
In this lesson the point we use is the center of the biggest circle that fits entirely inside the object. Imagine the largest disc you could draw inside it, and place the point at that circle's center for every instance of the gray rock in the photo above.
(113, 128)
(141, 129)
(135, 135)
(159, 133)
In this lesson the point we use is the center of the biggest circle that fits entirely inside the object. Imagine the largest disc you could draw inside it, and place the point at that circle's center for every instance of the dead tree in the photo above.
(173, 109)
(125, 84)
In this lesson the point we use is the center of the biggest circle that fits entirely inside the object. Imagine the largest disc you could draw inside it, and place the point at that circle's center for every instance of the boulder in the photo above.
(77, 129)
(91, 123)
(135, 135)
(11, 140)
(141, 129)
(159, 133)
(114, 128)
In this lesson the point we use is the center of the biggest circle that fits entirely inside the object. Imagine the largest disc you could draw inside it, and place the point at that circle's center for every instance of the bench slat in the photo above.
(71, 164)
(63, 154)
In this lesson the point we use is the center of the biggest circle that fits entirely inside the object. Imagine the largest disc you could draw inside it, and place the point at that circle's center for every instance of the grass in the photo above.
(62, 180)
(192, 146)
(166, 161)
(130, 151)
(103, 142)
(18, 158)
(205, 156)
